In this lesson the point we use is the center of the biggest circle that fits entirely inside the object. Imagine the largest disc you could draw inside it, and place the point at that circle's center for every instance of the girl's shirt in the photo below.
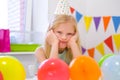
(62, 56)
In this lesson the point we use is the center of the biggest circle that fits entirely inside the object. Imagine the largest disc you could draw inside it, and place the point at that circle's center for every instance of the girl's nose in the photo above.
(63, 37)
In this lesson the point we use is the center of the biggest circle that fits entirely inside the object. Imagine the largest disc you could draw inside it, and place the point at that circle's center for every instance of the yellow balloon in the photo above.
(12, 68)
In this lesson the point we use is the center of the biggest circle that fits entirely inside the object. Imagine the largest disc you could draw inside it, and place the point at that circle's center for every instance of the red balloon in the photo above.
(84, 68)
(1, 76)
(53, 69)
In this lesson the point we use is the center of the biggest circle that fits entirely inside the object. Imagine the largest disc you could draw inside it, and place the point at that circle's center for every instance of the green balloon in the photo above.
(104, 58)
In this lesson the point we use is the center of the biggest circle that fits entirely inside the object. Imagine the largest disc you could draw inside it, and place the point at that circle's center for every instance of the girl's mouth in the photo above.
(63, 41)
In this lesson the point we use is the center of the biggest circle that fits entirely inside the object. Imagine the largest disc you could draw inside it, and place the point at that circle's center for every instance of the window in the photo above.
(16, 20)
(3, 14)
(16, 15)
(26, 19)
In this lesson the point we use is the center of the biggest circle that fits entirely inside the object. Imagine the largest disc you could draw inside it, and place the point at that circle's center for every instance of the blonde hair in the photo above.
(59, 19)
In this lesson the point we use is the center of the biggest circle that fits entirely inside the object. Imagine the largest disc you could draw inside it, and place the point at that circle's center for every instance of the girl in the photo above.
(62, 40)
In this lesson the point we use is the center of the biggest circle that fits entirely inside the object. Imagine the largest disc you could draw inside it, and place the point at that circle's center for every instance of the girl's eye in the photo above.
(70, 34)
(59, 32)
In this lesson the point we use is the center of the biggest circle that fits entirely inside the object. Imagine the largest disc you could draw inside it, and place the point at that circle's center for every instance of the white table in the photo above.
(34, 78)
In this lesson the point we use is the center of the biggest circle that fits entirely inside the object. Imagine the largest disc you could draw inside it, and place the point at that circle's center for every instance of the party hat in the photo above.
(63, 7)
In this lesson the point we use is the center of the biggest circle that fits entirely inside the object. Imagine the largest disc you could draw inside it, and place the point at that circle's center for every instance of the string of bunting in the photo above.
(97, 20)
(108, 41)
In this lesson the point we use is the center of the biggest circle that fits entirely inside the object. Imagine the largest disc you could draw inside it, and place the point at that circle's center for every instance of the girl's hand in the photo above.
(51, 38)
(72, 40)
(72, 44)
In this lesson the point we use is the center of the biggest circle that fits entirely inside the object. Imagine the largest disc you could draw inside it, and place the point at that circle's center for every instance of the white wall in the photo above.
(93, 8)
(103, 7)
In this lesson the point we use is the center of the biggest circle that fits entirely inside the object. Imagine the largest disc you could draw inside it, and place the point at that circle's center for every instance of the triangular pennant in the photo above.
(72, 10)
(96, 21)
(106, 20)
(100, 48)
(83, 50)
(116, 22)
(116, 38)
(109, 43)
(91, 52)
(78, 16)
(87, 21)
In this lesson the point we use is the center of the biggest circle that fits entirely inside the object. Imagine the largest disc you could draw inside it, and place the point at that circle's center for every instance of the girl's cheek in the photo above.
(58, 36)
(69, 37)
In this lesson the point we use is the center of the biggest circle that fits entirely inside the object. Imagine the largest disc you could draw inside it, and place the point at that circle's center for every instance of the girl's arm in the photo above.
(74, 46)
(40, 54)
(53, 41)
(75, 49)
(54, 51)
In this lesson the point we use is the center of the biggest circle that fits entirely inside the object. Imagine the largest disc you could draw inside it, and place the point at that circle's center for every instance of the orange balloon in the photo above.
(84, 68)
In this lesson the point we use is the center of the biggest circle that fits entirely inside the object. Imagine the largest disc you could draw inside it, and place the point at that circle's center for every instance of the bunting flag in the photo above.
(72, 10)
(78, 16)
(116, 38)
(87, 21)
(83, 50)
(96, 21)
(100, 48)
(106, 20)
(91, 52)
(109, 43)
(116, 22)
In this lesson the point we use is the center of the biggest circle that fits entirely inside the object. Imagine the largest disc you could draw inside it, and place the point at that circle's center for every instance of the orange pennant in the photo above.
(109, 43)
(72, 9)
(91, 52)
(106, 20)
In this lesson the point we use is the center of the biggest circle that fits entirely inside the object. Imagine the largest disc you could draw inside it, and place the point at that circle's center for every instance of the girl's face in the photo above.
(64, 32)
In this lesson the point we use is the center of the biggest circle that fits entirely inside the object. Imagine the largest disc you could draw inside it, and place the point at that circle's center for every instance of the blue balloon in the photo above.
(111, 68)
